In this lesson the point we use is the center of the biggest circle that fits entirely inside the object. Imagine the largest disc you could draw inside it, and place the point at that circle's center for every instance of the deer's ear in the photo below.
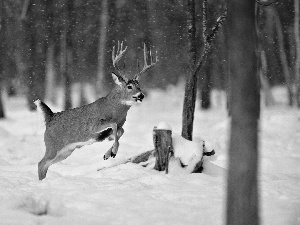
(118, 80)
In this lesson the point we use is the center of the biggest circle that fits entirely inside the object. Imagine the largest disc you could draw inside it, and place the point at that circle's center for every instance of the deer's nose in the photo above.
(141, 96)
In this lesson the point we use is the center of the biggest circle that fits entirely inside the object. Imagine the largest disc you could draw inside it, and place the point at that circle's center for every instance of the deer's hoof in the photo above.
(104, 157)
(113, 155)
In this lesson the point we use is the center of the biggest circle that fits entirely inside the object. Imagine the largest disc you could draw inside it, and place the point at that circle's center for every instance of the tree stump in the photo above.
(162, 139)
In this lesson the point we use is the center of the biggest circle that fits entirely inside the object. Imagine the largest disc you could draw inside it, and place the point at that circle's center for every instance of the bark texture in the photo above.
(104, 18)
(191, 83)
(190, 92)
(66, 51)
(297, 42)
(242, 194)
(163, 143)
(283, 57)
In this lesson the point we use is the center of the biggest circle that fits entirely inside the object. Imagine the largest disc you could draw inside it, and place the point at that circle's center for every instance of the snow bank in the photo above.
(164, 126)
(85, 189)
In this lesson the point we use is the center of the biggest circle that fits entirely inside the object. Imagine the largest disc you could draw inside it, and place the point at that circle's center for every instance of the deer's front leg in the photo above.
(114, 149)
(120, 132)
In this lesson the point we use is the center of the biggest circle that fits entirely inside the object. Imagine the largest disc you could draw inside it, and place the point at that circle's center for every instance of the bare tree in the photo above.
(269, 100)
(242, 193)
(50, 57)
(279, 31)
(2, 43)
(273, 28)
(66, 50)
(207, 83)
(196, 64)
(104, 18)
(297, 61)
(2, 114)
(37, 36)
(191, 83)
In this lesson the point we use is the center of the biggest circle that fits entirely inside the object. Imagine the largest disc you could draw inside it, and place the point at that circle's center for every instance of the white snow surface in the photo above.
(164, 126)
(85, 189)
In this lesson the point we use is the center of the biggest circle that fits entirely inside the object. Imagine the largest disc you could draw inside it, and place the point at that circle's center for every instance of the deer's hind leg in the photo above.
(45, 163)
(52, 157)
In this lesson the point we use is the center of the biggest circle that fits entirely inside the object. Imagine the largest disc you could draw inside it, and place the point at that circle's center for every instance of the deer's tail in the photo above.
(47, 112)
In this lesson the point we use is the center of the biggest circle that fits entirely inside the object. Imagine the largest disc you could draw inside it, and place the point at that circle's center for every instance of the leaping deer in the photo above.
(104, 118)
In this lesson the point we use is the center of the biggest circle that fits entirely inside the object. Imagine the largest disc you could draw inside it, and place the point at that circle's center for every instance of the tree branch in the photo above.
(204, 21)
(191, 83)
(209, 40)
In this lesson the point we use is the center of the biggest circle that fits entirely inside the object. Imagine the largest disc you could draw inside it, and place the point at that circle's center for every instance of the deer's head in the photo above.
(129, 89)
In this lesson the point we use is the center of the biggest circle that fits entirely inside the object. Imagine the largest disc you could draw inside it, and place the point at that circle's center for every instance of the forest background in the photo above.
(45, 45)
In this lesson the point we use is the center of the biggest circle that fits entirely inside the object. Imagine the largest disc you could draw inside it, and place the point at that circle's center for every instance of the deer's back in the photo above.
(83, 123)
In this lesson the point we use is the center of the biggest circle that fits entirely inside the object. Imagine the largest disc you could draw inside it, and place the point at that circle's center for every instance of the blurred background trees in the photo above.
(53, 45)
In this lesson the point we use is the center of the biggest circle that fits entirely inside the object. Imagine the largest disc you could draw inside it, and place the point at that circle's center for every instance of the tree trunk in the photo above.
(66, 46)
(242, 193)
(104, 18)
(50, 67)
(37, 35)
(269, 100)
(228, 77)
(2, 49)
(50, 75)
(155, 36)
(163, 144)
(207, 84)
(190, 92)
(191, 83)
(274, 17)
(2, 114)
(297, 42)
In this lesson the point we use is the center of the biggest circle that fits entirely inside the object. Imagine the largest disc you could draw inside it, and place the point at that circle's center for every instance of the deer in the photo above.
(103, 119)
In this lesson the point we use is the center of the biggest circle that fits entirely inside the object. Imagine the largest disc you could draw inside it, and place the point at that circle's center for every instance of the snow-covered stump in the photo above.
(162, 139)
(185, 156)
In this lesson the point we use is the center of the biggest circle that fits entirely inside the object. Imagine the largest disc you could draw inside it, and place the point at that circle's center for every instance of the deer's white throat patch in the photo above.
(129, 102)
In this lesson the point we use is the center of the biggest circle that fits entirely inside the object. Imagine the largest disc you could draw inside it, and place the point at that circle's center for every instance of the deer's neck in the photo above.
(113, 102)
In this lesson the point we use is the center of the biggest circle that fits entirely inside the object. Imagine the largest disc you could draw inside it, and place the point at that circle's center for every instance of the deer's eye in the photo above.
(129, 87)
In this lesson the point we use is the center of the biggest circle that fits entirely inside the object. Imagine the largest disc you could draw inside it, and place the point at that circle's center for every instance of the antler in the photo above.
(116, 57)
(146, 65)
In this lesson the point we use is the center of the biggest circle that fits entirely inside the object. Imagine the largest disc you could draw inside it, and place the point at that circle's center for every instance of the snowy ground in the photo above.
(74, 192)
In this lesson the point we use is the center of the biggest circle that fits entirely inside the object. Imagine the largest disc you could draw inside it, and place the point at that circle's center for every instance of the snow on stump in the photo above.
(184, 156)
(162, 139)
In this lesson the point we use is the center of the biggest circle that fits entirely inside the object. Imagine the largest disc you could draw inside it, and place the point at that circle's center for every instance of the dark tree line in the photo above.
(73, 40)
